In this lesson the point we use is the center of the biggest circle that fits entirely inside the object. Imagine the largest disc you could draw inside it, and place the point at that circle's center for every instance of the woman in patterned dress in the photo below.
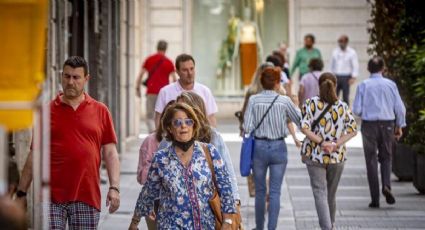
(325, 151)
(181, 178)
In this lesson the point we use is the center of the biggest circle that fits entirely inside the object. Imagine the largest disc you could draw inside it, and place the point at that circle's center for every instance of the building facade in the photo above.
(108, 35)
(116, 36)
(199, 27)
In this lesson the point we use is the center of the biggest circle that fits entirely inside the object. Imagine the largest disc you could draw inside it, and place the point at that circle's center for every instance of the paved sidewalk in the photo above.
(298, 210)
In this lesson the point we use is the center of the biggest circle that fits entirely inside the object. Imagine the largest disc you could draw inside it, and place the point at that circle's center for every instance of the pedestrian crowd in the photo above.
(185, 168)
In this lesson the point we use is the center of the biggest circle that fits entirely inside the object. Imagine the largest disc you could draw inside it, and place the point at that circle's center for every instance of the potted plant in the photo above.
(397, 33)
(416, 134)
(403, 161)
(419, 169)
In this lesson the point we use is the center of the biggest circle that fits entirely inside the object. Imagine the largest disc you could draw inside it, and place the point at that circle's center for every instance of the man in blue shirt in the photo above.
(382, 111)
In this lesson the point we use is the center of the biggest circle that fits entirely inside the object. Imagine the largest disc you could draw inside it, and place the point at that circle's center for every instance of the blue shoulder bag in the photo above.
(247, 149)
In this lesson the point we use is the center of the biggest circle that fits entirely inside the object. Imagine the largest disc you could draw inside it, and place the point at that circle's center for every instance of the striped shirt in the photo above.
(275, 122)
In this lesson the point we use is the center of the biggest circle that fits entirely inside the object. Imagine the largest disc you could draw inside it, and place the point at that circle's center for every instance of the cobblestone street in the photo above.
(298, 210)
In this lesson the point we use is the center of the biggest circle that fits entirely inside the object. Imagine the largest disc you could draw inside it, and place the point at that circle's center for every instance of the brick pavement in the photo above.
(298, 211)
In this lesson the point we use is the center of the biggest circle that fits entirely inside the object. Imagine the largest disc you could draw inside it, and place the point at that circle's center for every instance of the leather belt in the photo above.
(379, 122)
(269, 139)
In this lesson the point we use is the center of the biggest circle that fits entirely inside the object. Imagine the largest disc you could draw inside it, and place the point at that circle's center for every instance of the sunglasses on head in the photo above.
(179, 122)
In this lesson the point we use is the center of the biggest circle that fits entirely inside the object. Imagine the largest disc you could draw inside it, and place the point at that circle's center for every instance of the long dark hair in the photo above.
(327, 87)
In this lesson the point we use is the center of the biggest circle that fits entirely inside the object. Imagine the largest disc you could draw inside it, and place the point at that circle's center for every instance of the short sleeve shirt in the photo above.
(76, 140)
(310, 82)
(159, 68)
(173, 90)
(338, 121)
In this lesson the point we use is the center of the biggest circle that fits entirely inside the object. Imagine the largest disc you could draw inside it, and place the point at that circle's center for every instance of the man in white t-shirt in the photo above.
(185, 68)
(344, 64)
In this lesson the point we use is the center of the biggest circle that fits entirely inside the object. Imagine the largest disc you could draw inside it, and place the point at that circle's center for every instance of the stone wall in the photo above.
(166, 19)
(327, 20)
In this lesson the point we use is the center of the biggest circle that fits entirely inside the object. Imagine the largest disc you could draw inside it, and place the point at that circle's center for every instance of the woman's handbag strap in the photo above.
(210, 163)
(315, 122)
(265, 114)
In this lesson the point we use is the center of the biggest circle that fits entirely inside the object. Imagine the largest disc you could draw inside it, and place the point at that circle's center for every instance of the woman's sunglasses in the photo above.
(179, 122)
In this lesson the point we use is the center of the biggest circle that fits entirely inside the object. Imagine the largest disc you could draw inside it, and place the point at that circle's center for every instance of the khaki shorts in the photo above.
(150, 106)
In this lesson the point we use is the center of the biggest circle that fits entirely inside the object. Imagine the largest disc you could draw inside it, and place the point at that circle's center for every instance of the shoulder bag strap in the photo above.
(155, 68)
(210, 163)
(265, 114)
(314, 75)
(315, 122)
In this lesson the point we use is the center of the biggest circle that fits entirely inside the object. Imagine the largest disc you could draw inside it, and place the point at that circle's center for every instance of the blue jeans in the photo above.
(271, 155)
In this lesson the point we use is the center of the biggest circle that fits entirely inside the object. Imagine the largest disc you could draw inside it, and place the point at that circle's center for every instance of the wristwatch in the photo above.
(228, 221)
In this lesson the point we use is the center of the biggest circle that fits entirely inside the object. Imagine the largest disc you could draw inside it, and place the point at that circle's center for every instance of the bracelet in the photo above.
(321, 142)
(135, 220)
(114, 188)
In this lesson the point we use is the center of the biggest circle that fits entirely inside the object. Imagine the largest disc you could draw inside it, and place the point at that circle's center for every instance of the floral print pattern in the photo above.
(218, 142)
(184, 192)
(338, 121)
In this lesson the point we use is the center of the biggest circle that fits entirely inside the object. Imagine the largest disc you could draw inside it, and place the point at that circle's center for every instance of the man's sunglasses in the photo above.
(179, 122)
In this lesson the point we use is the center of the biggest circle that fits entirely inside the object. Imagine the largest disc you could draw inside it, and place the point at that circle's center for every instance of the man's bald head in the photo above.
(375, 65)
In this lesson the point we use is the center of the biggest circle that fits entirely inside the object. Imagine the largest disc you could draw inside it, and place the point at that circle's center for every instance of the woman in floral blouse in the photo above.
(180, 177)
(324, 149)
(211, 135)
(147, 150)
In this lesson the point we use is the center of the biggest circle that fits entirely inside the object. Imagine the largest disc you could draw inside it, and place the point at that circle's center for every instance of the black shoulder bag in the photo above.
(306, 147)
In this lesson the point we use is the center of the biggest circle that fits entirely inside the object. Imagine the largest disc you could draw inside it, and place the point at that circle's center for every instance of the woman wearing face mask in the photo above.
(180, 177)
(210, 135)
(147, 150)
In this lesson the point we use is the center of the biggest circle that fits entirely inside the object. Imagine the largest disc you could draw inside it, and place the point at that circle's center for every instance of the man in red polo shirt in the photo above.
(159, 69)
(80, 128)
